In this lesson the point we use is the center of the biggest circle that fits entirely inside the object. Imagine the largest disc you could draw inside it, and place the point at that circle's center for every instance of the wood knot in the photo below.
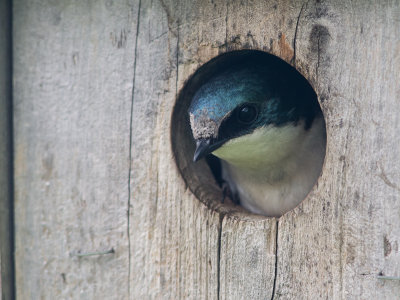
(319, 39)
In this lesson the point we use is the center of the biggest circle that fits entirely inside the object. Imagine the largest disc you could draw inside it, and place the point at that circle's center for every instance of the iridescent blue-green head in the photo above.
(243, 107)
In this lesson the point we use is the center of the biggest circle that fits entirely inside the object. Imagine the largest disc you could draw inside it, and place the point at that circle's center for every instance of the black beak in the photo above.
(202, 149)
(206, 146)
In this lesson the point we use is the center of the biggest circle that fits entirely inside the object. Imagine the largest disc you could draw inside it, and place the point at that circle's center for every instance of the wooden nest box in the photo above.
(100, 207)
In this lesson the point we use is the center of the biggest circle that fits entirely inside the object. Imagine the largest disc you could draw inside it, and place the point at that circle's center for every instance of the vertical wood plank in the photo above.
(174, 238)
(347, 232)
(6, 239)
(73, 77)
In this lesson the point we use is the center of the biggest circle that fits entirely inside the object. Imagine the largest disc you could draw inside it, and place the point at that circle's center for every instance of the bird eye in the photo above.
(247, 113)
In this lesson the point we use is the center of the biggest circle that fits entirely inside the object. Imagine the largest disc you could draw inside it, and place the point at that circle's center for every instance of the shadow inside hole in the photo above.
(203, 178)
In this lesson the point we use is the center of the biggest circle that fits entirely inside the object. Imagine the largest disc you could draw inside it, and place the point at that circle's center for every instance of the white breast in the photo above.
(273, 169)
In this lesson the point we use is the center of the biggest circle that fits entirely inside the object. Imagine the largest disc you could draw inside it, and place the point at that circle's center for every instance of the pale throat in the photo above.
(266, 148)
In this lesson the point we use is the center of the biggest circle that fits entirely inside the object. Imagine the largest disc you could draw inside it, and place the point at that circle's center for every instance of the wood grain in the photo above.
(174, 237)
(73, 77)
(103, 153)
(347, 231)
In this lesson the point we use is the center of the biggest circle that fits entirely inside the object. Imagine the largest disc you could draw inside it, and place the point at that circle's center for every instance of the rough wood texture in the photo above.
(348, 230)
(73, 77)
(93, 172)
(174, 238)
(6, 260)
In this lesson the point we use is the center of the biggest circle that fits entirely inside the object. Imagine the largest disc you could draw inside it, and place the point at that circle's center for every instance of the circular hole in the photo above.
(288, 127)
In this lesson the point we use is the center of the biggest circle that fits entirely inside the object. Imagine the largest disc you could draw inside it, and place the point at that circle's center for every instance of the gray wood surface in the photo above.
(73, 77)
(95, 85)
(6, 261)
(348, 230)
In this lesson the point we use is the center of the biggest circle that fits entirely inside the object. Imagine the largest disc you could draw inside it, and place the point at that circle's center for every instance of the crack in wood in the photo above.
(318, 57)
(276, 261)
(319, 39)
(177, 62)
(221, 218)
(295, 33)
(130, 149)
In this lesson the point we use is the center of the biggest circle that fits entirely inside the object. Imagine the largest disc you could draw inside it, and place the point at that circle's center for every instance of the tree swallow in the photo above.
(263, 120)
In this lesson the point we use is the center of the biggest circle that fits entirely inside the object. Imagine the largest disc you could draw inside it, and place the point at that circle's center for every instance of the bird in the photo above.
(262, 119)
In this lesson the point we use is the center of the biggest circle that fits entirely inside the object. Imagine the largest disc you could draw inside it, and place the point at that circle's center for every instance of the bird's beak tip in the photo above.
(202, 147)
(196, 157)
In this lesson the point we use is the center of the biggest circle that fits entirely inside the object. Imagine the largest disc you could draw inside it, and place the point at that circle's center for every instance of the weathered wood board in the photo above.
(73, 77)
(347, 231)
(95, 84)
(6, 261)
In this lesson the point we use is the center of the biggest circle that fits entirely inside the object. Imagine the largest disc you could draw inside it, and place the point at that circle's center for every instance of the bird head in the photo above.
(252, 112)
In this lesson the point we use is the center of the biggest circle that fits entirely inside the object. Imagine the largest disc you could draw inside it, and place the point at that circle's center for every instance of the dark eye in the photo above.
(247, 113)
